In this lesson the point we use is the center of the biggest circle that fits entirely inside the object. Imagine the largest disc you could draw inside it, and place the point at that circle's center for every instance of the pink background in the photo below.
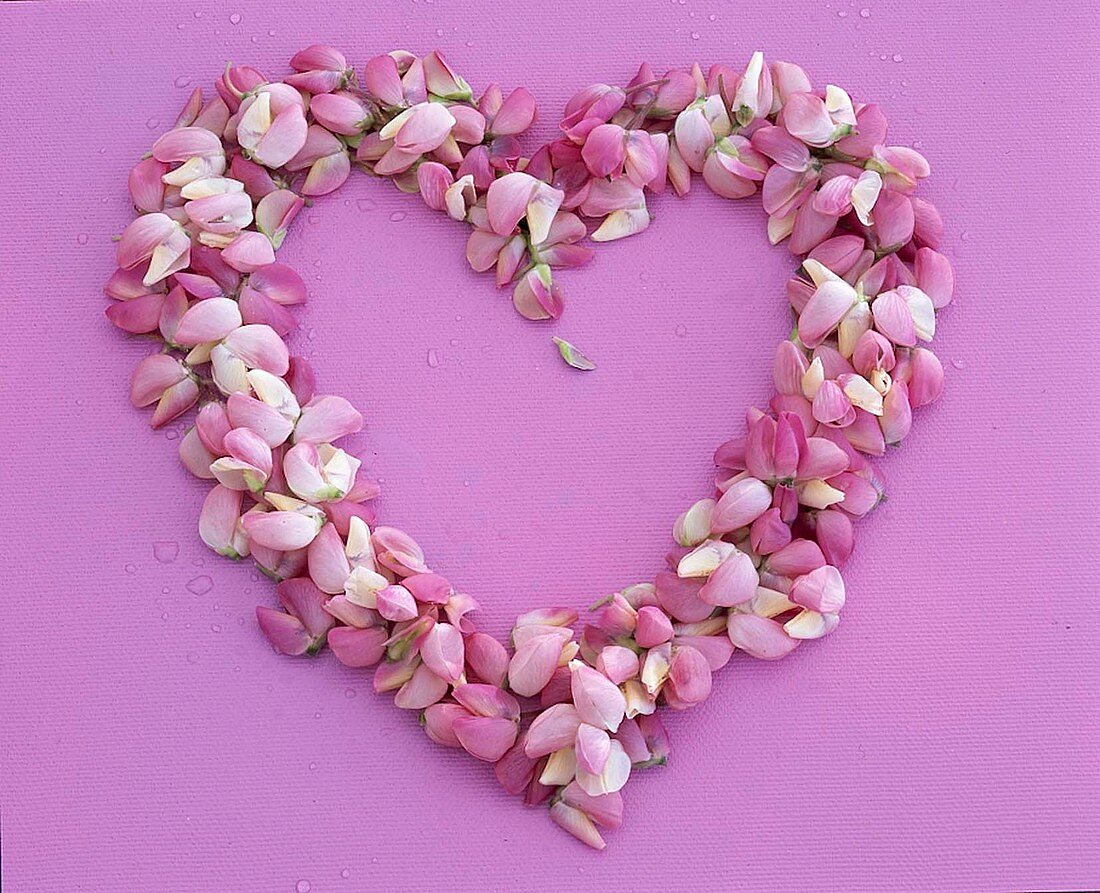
(945, 738)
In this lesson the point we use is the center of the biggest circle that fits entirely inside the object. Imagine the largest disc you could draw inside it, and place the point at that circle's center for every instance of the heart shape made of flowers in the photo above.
(564, 718)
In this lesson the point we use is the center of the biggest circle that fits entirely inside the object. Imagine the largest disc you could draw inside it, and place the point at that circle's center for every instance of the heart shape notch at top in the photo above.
(564, 716)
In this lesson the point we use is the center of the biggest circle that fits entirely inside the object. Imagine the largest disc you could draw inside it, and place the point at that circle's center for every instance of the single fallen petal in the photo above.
(572, 356)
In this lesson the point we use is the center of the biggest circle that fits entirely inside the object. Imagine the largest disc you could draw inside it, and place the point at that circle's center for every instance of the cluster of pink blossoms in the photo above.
(565, 717)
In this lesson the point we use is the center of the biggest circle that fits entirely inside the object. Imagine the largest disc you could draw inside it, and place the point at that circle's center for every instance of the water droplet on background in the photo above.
(346, 873)
(166, 551)
(681, 330)
(130, 569)
(214, 628)
(433, 358)
(865, 13)
(152, 123)
(398, 216)
(192, 657)
(82, 239)
(235, 19)
(200, 585)
(349, 692)
(303, 886)
(182, 81)
(366, 204)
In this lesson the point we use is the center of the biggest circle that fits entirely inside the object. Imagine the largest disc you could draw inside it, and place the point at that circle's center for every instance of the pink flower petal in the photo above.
(761, 637)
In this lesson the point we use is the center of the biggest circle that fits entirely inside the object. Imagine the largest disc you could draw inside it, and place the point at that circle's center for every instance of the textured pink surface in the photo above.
(944, 738)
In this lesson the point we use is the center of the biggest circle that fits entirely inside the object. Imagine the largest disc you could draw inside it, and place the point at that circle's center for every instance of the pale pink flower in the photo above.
(274, 214)
(816, 121)
(740, 505)
(577, 823)
(327, 561)
(357, 648)
(689, 678)
(284, 530)
(248, 463)
(237, 81)
(611, 777)
(810, 625)
(518, 196)
(843, 193)
(192, 153)
(442, 81)
(249, 252)
(598, 700)
(536, 296)
(901, 168)
(326, 159)
(510, 116)
(698, 127)
(209, 320)
(163, 380)
(156, 240)
(733, 582)
(219, 522)
(653, 627)
(820, 590)
(589, 108)
(340, 112)
(534, 663)
(325, 419)
(733, 168)
(319, 69)
(271, 125)
(753, 97)
(319, 473)
(618, 663)
(760, 636)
